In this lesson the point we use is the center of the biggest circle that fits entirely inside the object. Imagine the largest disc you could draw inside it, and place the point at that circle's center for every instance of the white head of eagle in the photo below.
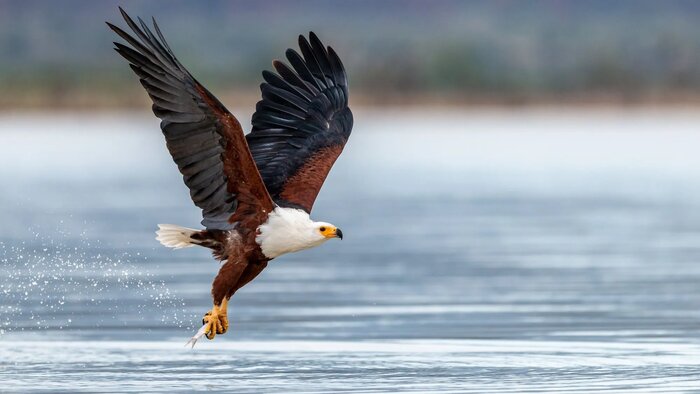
(290, 230)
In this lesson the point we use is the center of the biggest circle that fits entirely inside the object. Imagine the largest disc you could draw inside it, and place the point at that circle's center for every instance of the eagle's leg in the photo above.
(216, 320)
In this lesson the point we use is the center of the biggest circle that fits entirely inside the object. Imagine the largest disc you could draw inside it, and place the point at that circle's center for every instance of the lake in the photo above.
(485, 250)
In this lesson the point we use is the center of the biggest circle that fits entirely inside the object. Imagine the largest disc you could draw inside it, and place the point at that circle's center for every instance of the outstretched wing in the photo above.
(204, 139)
(301, 124)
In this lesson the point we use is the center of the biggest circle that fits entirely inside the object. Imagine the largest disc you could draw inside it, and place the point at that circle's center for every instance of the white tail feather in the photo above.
(174, 236)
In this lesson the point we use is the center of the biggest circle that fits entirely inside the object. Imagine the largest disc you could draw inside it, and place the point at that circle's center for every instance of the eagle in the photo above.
(255, 190)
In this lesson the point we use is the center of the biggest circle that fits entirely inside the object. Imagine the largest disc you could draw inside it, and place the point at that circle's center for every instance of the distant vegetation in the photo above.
(58, 53)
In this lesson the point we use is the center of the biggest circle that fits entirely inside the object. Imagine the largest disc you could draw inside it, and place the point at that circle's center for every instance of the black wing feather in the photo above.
(304, 109)
(322, 56)
(191, 129)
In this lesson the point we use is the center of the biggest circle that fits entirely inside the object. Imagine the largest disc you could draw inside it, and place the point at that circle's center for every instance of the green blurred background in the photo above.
(58, 54)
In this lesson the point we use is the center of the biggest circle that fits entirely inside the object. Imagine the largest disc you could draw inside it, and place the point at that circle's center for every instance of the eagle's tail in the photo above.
(177, 237)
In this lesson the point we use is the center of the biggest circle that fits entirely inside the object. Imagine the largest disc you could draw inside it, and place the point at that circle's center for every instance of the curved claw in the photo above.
(219, 324)
(214, 322)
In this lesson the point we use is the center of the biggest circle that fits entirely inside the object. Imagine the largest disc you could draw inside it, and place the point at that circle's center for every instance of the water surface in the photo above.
(485, 251)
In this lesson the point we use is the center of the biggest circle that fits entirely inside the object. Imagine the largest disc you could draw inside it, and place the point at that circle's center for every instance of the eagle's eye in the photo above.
(322, 229)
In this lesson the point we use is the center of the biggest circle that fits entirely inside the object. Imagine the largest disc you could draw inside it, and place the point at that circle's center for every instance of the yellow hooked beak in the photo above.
(331, 232)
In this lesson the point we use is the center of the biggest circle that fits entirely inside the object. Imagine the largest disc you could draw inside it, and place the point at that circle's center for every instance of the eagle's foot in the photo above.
(216, 322)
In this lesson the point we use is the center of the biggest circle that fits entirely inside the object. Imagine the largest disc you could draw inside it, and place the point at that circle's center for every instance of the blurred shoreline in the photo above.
(76, 100)
(417, 53)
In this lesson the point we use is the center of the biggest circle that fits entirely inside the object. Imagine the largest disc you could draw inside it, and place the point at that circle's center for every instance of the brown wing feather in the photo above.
(244, 181)
(302, 188)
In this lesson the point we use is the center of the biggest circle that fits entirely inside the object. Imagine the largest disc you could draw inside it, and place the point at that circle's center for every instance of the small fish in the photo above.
(196, 336)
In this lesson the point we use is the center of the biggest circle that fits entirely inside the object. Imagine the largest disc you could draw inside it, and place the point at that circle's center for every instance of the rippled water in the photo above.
(484, 251)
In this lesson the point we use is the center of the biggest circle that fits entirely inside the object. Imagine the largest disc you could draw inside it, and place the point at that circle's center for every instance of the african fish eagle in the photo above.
(256, 191)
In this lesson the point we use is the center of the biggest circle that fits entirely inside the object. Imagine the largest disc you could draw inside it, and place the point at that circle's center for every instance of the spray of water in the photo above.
(66, 282)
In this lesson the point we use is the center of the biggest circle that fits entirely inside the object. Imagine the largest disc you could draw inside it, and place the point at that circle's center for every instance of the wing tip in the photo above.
(313, 35)
(124, 14)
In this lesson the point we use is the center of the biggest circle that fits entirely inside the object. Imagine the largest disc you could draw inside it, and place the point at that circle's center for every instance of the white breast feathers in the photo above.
(288, 230)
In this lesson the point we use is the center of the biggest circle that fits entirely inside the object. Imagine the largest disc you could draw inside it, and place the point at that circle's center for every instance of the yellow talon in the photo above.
(216, 320)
